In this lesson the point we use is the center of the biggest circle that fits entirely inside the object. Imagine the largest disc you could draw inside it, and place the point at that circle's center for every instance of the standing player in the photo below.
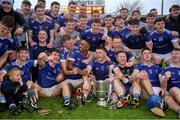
(163, 41)
(41, 22)
(95, 36)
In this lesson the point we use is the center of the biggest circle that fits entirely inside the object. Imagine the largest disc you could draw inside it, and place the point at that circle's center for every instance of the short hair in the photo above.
(43, 1)
(82, 15)
(55, 3)
(38, 6)
(108, 16)
(96, 21)
(174, 6)
(146, 48)
(11, 70)
(71, 3)
(95, 11)
(26, 2)
(154, 9)
(70, 20)
(23, 48)
(116, 37)
(66, 38)
(119, 17)
(134, 22)
(83, 5)
(121, 52)
(150, 15)
(159, 20)
(8, 21)
(176, 49)
(124, 9)
(53, 50)
(101, 47)
(136, 11)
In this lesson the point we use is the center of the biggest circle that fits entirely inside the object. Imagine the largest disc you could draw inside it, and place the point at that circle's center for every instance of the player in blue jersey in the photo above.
(163, 41)
(170, 81)
(50, 79)
(152, 71)
(70, 14)
(82, 23)
(75, 66)
(132, 88)
(108, 23)
(54, 13)
(7, 44)
(150, 18)
(41, 22)
(121, 30)
(24, 64)
(116, 47)
(135, 40)
(95, 36)
(103, 70)
(65, 51)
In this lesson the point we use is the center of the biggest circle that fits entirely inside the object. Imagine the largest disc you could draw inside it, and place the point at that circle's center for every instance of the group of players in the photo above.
(68, 51)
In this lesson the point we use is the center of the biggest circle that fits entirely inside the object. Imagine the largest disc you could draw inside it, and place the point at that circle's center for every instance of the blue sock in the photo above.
(136, 95)
(66, 99)
(121, 96)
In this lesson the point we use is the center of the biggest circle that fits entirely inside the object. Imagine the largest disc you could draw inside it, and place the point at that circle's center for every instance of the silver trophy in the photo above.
(101, 92)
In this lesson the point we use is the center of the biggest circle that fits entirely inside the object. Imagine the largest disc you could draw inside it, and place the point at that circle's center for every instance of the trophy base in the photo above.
(102, 102)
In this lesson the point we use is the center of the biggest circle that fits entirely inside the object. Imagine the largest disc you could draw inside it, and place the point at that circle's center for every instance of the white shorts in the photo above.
(75, 83)
(156, 90)
(164, 57)
(49, 91)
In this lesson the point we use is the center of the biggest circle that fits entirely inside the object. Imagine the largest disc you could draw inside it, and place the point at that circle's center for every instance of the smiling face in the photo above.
(42, 36)
(26, 8)
(23, 55)
(100, 55)
(122, 58)
(135, 29)
(108, 21)
(6, 6)
(40, 13)
(55, 9)
(72, 9)
(54, 57)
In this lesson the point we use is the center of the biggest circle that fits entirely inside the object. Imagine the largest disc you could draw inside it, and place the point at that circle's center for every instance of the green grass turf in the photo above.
(89, 111)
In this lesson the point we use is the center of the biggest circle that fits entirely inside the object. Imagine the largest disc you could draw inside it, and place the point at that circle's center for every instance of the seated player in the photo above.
(24, 64)
(102, 69)
(151, 72)
(170, 81)
(50, 79)
(131, 87)
(75, 67)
